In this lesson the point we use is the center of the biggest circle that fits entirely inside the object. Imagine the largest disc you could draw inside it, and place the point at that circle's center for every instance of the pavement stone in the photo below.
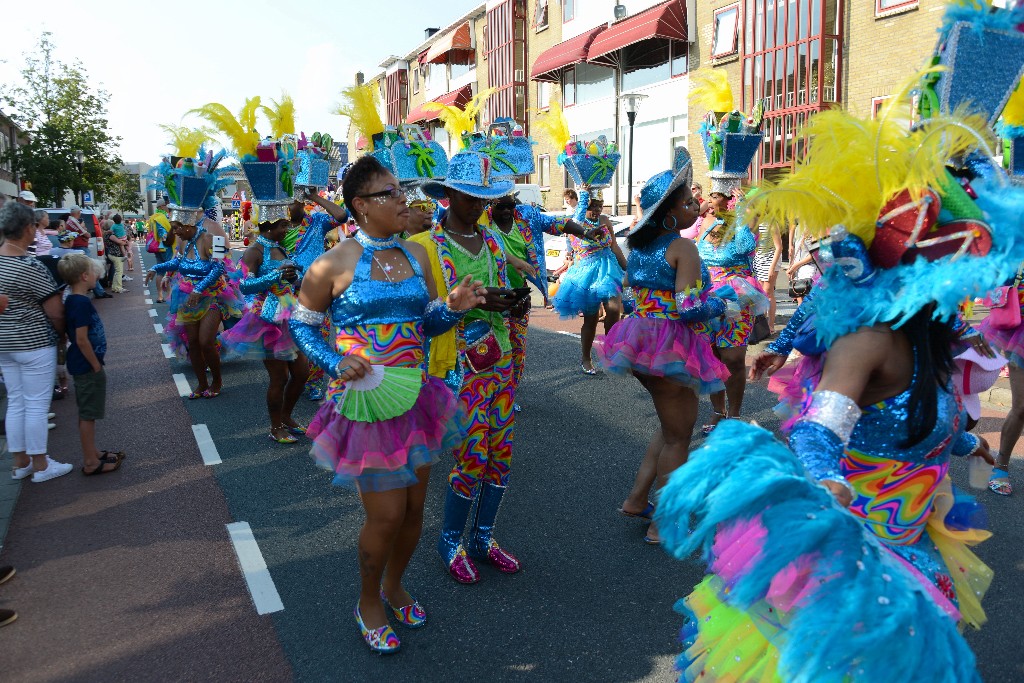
(9, 490)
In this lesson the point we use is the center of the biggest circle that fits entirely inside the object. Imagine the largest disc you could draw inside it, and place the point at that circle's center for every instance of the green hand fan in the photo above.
(383, 393)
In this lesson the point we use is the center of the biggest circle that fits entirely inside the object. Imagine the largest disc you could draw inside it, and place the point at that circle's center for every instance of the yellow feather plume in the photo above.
(281, 116)
(554, 124)
(361, 104)
(241, 131)
(710, 89)
(1013, 114)
(458, 121)
(186, 141)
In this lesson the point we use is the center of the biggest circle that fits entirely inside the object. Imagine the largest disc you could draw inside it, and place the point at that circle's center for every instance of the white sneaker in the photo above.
(22, 472)
(128, 279)
(50, 425)
(50, 416)
(53, 470)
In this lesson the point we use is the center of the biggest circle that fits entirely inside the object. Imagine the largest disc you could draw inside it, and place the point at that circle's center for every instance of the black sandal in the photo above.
(104, 460)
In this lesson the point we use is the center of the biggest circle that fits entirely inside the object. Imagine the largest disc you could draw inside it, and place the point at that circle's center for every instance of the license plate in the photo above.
(553, 252)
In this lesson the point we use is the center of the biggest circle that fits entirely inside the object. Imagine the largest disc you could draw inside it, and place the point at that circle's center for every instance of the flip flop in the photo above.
(298, 430)
(285, 440)
(999, 483)
(105, 460)
(652, 541)
(209, 393)
(647, 513)
(197, 394)
(120, 455)
(591, 371)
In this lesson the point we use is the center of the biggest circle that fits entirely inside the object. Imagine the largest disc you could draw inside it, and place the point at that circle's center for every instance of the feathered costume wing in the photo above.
(240, 132)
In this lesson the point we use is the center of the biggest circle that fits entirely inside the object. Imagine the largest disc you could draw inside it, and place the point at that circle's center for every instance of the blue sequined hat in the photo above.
(511, 152)
(314, 166)
(469, 173)
(663, 184)
(730, 146)
(983, 66)
(592, 163)
(272, 177)
(409, 154)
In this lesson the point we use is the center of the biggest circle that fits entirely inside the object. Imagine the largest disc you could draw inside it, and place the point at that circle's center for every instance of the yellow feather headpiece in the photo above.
(458, 121)
(186, 141)
(710, 89)
(241, 131)
(361, 104)
(1013, 113)
(281, 116)
(554, 124)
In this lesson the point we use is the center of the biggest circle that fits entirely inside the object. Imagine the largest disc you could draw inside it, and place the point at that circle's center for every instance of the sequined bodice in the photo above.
(649, 268)
(735, 252)
(369, 302)
(193, 267)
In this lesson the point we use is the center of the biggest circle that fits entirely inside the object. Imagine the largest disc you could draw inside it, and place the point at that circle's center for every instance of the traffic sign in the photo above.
(236, 203)
(87, 196)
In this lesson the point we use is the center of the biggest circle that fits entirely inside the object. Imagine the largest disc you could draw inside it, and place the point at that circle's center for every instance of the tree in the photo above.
(122, 193)
(62, 115)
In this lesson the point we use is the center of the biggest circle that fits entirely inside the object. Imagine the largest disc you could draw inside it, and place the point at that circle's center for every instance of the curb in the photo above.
(9, 490)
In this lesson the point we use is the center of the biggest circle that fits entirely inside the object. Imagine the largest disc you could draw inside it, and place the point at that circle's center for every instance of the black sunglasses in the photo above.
(392, 192)
(504, 205)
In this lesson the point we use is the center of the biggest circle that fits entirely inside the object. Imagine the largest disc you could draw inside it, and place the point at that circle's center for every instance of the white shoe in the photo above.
(50, 416)
(22, 472)
(128, 279)
(50, 425)
(53, 470)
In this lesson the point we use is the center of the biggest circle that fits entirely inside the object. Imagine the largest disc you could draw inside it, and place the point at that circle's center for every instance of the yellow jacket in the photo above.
(443, 354)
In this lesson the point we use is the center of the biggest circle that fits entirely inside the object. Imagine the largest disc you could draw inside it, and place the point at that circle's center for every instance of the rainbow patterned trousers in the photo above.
(486, 454)
(517, 328)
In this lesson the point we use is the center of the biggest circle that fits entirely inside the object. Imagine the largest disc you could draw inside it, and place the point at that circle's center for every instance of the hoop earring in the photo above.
(675, 222)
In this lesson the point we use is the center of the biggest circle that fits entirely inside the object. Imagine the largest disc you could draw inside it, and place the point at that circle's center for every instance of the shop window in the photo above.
(540, 17)
(543, 95)
(544, 171)
(726, 31)
(568, 10)
(568, 87)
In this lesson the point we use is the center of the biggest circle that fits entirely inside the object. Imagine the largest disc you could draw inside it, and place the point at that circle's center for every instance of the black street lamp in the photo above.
(631, 102)
(79, 163)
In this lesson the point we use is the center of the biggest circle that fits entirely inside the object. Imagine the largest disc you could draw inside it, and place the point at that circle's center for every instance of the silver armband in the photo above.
(834, 411)
(307, 315)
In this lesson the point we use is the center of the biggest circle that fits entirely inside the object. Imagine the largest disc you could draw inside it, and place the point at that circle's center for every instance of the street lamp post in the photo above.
(79, 163)
(631, 102)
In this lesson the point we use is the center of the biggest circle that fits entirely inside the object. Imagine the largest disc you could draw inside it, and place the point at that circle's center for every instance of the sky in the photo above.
(158, 61)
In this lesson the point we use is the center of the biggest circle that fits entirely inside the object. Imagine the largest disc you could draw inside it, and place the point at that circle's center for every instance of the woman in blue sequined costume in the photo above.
(727, 250)
(381, 301)
(664, 342)
(269, 282)
(595, 277)
(200, 299)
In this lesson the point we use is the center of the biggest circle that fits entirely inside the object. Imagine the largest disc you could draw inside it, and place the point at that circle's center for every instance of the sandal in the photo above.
(707, 429)
(210, 393)
(120, 455)
(297, 430)
(591, 371)
(647, 513)
(100, 469)
(197, 394)
(999, 482)
(286, 440)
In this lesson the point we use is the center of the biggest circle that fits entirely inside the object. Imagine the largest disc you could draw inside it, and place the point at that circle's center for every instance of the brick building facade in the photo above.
(10, 135)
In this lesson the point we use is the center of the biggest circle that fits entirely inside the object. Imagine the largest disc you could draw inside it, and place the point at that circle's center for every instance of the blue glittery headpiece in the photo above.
(658, 188)
(730, 146)
(272, 177)
(190, 185)
(511, 152)
(469, 173)
(314, 167)
(592, 163)
(410, 154)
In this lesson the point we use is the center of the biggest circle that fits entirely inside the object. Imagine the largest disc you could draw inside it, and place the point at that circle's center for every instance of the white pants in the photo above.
(29, 379)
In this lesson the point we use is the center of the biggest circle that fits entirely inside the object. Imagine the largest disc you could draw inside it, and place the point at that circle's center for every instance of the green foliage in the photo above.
(62, 114)
(122, 193)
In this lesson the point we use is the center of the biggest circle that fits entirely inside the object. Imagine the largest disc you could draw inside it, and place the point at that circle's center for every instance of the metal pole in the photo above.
(631, 115)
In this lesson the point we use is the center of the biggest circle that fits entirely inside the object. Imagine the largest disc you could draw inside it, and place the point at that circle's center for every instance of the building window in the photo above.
(568, 87)
(415, 81)
(884, 7)
(680, 58)
(646, 62)
(486, 49)
(540, 17)
(568, 10)
(593, 82)
(543, 95)
(726, 37)
(544, 171)
(460, 70)
(876, 105)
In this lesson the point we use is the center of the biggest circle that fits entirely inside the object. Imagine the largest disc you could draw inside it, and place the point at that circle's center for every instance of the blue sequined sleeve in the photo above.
(540, 221)
(438, 318)
(966, 444)
(256, 284)
(692, 309)
(783, 346)
(167, 266)
(217, 269)
(819, 449)
(581, 209)
(307, 337)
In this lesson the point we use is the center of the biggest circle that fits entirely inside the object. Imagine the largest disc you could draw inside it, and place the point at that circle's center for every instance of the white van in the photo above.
(530, 194)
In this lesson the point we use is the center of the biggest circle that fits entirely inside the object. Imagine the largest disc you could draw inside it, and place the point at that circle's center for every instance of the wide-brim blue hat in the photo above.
(659, 187)
(469, 173)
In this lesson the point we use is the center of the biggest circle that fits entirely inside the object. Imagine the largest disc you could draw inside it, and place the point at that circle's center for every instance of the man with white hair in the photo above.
(81, 243)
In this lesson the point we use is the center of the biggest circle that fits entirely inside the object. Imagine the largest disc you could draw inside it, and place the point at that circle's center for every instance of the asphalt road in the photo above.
(593, 602)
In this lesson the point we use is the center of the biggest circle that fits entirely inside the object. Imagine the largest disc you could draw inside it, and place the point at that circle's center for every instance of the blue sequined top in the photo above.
(311, 245)
(371, 302)
(649, 268)
(202, 274)
(735, 252)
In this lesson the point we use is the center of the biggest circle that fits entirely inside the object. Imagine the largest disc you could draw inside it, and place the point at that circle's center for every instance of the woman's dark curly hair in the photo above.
(359, 175)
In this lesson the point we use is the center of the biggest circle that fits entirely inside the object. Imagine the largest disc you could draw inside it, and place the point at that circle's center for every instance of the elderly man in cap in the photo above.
(28, 198)
(75, 225)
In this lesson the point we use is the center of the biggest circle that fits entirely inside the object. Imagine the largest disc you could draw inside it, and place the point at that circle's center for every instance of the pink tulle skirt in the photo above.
(662, 348)
(380, 456)
(1009, 342)
(253, 337)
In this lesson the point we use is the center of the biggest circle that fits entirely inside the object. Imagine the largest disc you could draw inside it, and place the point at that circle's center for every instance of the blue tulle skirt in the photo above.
(588, 284)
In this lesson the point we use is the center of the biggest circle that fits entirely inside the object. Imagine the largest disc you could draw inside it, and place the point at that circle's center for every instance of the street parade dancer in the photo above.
(664, 341)
(385, 419)
(201, 296)
(827, 557)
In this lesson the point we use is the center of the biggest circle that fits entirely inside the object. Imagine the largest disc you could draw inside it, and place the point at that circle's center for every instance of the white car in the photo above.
(556, 246)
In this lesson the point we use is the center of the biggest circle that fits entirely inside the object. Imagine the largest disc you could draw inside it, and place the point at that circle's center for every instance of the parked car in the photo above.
(89, 220)
(556, 246)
